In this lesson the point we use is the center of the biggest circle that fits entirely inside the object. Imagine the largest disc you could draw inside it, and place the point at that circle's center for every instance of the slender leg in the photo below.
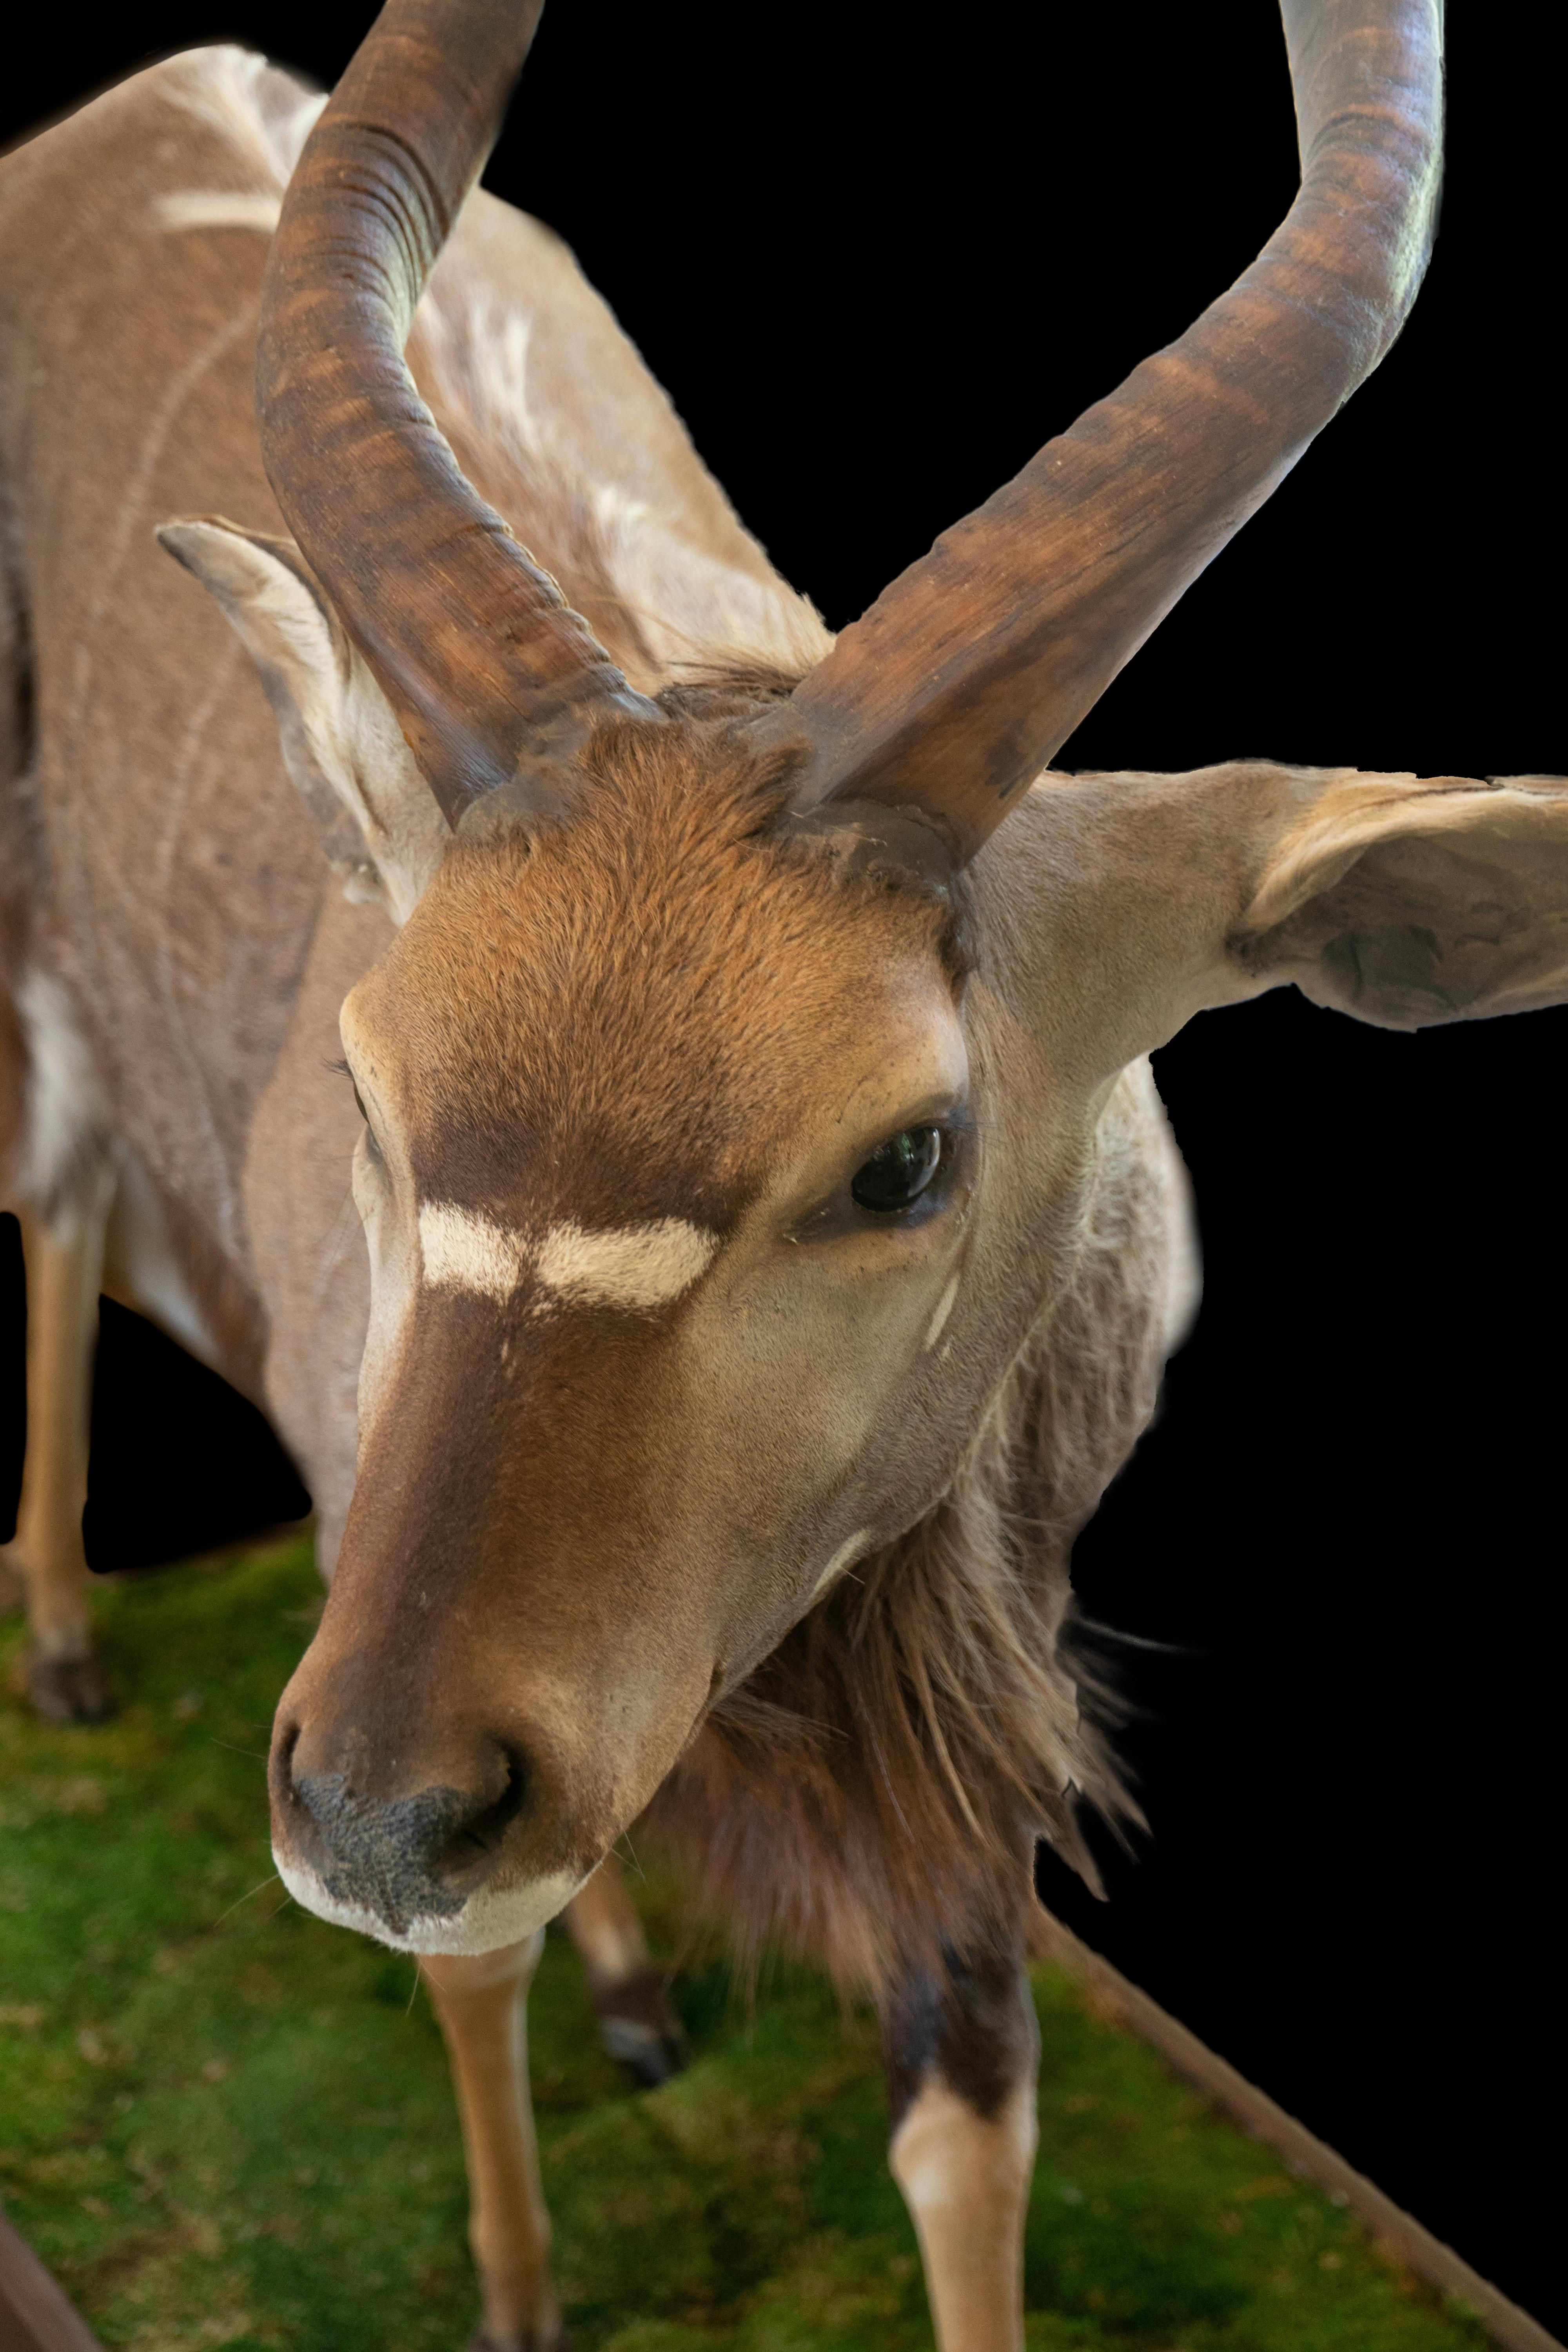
(482, 2005)
(64, 1261)
(637, 2024)
(963, 2054)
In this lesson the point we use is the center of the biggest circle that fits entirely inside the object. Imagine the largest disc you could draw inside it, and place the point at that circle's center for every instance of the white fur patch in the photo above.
(959, 2166)
(189, 208)
(67, 1142)
(486, 1922)
(464, 1251)
(627, 1265)
(631, 1265)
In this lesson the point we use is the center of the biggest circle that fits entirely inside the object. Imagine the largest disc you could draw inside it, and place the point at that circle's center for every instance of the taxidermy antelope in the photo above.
(760, 1167)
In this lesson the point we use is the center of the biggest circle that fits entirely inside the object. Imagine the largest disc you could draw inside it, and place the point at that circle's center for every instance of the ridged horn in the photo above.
(485, 664)
(975, 665)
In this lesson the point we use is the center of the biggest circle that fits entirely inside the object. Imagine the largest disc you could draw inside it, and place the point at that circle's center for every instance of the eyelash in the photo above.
(339, 1069)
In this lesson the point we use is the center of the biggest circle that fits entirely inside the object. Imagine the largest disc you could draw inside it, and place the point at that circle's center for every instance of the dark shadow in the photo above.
(12, 1380)
(181, 1461)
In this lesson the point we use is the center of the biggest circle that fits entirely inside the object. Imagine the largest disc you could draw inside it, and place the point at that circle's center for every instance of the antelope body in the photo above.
(773, 1234)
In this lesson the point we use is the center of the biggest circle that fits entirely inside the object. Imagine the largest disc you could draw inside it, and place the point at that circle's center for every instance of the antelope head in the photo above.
(703, 1214)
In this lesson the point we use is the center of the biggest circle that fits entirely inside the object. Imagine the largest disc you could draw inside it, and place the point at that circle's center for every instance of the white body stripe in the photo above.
(191, 208)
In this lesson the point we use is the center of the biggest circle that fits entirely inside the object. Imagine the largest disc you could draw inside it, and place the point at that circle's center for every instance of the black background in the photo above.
(877, 263)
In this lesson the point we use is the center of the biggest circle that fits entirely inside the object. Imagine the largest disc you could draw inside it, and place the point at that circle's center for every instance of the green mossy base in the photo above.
(224, 2122)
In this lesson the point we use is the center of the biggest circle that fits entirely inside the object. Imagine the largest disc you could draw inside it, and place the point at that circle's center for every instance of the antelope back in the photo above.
(185, 878)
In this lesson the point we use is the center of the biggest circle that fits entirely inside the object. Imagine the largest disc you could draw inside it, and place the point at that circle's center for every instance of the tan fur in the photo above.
(173, 799)
(482, 2007)
(63, 1262)
(783, 1547)
(605, 1925)
(965, 2178)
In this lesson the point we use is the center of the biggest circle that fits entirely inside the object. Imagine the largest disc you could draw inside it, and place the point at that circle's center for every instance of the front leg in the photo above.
(63, 1257)
(481, 2004)
(637, 2024)
(963, 2049)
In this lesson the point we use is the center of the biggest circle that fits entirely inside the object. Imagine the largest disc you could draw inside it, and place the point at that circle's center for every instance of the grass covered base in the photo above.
(223, 2122)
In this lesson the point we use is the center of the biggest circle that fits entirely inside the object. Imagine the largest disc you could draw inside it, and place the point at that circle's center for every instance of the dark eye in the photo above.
(898, 1170)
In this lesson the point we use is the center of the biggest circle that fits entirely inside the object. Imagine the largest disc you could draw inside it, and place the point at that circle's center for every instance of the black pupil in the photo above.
(900, 1170)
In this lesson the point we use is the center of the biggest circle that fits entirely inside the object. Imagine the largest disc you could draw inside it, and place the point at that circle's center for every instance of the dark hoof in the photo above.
(641, 2030)
(649, 2057)
(68, 1690)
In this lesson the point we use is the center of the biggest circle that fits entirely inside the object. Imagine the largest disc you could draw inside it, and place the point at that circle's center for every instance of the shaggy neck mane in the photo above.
(895, 1760)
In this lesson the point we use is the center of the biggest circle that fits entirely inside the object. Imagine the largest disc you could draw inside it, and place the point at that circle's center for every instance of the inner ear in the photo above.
(374, 813)
(1409, 903)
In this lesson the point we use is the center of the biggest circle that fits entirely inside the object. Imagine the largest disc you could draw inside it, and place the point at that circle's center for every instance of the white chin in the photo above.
(487, 1921)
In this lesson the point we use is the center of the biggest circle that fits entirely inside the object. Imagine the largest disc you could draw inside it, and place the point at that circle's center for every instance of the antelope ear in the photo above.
(377, 817)
(1408, 904)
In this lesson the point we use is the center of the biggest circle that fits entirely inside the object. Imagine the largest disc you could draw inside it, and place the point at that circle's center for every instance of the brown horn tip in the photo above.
(974, 666)
(481, 657)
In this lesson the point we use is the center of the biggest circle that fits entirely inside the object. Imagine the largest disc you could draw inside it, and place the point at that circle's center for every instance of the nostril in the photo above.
(280, 1765)
(482, 1834)
(398, 1858)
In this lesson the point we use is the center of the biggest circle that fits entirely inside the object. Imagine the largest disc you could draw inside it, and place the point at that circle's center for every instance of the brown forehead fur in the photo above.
(637, 997)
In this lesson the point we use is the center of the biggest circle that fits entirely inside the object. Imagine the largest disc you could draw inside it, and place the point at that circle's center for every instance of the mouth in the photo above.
(485, 1921)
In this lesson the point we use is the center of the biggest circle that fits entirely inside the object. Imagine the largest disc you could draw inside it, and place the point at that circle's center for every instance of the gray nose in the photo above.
(415, 1857)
